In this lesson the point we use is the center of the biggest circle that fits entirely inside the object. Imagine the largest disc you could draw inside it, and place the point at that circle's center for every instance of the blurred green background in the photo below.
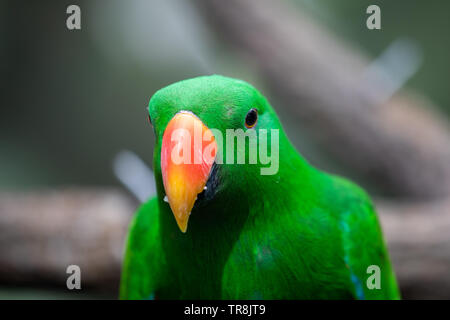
(72, 99)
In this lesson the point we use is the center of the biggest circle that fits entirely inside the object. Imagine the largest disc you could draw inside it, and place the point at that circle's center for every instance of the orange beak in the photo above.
(187, 154)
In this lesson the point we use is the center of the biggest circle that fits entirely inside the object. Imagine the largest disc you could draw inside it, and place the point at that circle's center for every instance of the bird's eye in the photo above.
(251, 118)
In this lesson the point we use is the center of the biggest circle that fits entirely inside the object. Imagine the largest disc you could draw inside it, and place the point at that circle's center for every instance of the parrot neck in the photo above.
(216, 228)
(292, 181)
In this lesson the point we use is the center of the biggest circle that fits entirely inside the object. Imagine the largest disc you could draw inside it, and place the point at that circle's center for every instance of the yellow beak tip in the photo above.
(183, 227)
(184, 180)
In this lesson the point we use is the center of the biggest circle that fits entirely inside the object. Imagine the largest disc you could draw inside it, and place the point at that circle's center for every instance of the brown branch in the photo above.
(419, 244)
(42, 233)
(401, 145)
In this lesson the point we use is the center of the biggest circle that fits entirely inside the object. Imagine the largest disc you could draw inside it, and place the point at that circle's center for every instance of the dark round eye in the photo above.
(251, 118)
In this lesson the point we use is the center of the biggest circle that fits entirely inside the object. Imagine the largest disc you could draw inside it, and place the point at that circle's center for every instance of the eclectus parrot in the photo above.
(224, 230)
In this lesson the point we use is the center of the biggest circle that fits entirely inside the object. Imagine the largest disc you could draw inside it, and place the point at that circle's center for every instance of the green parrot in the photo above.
(220, 228)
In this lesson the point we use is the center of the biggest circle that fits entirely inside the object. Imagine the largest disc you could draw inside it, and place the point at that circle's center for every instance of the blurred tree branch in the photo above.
(402, 144)
(42, 233)
(419, 244)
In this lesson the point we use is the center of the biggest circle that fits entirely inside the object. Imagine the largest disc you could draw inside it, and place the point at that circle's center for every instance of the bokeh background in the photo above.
(75, 147)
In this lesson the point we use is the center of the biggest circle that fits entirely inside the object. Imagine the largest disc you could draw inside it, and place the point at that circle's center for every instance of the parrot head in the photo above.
(197, 157)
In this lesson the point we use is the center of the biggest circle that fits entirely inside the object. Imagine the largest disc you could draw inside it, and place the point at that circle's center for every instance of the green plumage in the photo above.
(298, 234)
